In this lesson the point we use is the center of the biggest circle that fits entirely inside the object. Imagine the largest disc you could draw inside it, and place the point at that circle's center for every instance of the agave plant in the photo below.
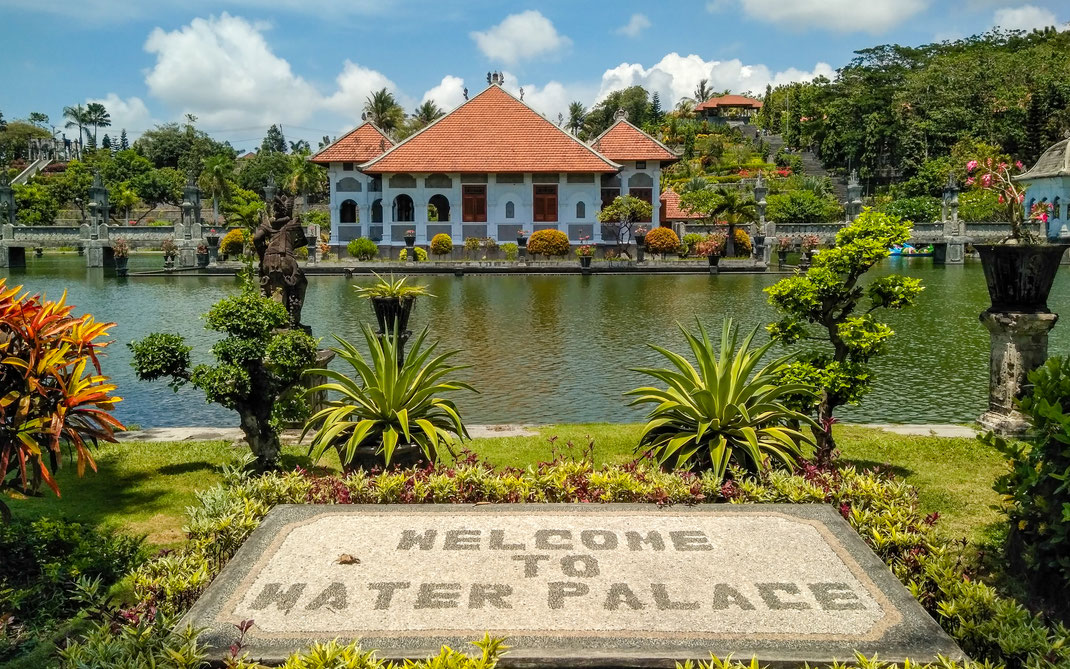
(724, 410)
(391, 287)
(388, 405)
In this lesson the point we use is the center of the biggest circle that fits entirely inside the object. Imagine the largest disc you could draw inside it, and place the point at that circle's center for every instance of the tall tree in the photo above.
(98, 117)
(427, 113)
(382, 109)
(124, 143)
(576, 115)
(324, 141)
(656, 112)
(38, 119)
(216, 178)
(76, 118)
(274, 141)
(106, 142)
(305, 177)
(723, 205)
(300, 146)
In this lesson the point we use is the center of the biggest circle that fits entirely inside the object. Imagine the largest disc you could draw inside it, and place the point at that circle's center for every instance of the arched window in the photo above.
(348, 185)
(640, 180)
(438, 181)
(510, 209)
(377, 211)
(404, 211)
(581, 209)
(442, 205)
(348, 213)
(1057, 208)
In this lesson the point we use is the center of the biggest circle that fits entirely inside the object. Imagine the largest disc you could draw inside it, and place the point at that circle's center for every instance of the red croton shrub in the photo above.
(47, 398)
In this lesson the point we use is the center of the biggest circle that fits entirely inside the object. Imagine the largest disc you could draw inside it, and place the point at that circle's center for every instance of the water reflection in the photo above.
(555, 348)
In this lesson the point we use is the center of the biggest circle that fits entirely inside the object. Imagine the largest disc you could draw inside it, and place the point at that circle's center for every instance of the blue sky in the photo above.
(308, 64)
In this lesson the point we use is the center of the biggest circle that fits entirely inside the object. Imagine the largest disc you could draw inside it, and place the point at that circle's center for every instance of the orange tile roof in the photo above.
(623, 141)
(357, 146)
(670, 200)
(729, 101)
(492, 132)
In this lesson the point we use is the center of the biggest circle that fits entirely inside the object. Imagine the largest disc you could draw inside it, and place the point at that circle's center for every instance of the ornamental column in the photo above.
(1019, 344)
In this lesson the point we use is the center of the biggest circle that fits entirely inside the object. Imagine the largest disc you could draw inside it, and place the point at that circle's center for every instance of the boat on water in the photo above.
(912, 251)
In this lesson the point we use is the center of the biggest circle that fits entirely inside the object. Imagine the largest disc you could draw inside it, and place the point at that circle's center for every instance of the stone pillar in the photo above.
(94, 254)
(956, 251)
(1019, 344)
(5, 255)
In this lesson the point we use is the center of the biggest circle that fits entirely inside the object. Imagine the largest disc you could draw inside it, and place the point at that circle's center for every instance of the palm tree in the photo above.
(216, 178)
(685, 108)
(76, 117)
(98, 117)
(305, 176)
(125, 199)
(382, 109)
(734, 209)
(576, 114)
(703, 91)
(426, 114)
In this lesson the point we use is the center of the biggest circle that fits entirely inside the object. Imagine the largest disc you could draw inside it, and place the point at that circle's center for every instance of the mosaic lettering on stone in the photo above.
(686, 574)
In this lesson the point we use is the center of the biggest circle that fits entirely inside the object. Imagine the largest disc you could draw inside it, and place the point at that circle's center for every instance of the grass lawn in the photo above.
(144, 488)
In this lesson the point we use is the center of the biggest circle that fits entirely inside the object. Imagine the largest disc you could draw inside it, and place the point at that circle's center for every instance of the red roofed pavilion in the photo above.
(492, 167)
(728, 106)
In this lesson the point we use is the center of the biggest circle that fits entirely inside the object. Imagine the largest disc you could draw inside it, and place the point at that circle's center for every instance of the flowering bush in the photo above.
(471, 246)
(441, 244)
(743, 243)
(120, 248)
(712, 245)
(784, 243)
(169, 247)
(547, 243)
(234, 242)
(662, 240)
(1041, 211)
(810, 242)
(410, 233)
(989, 174)
(585, 249)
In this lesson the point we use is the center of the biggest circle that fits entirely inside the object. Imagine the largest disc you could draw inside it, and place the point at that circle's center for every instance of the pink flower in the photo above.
(1003, 166)
(1001, 199)
(986, 180)
(969, 182)
(988, 161)
(971, 166)
(1019, 165)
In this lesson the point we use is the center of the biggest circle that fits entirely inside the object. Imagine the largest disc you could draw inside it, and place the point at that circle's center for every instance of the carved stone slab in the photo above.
(568, 585)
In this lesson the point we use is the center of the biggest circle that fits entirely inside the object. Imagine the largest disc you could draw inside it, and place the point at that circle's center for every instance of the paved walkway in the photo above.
(484, 431)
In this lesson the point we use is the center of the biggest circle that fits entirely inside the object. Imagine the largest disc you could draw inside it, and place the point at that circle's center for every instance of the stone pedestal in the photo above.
(956, 251)
(94, 254)
(1019, 344)
(187, 253)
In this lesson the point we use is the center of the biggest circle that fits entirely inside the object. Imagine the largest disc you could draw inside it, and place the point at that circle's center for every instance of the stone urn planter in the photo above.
(585, 262)
(1020, 276)
(389, 310)
(169, 261)
(782, 257)
(367, 458)
(640, 247)
(121, 268)
(715, 260)
(202, 259)
(410, 241)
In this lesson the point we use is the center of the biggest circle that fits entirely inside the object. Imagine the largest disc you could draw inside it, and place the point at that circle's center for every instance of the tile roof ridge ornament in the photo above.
(620, 114)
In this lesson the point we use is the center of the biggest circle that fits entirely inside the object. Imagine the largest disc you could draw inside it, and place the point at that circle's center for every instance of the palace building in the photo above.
(490, 168)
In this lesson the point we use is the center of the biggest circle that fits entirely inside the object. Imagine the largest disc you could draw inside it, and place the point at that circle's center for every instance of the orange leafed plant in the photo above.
(46, 397)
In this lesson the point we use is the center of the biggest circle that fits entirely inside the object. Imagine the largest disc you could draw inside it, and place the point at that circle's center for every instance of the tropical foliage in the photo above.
(385, 404)
(828, 311)
(392, 288)
(620, 216)
(259, 362)
(730, 206)
(52, 393)
(362, 248)
(727, 410)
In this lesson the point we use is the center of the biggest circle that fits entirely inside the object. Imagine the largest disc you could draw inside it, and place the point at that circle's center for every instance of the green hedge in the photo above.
(883, 510)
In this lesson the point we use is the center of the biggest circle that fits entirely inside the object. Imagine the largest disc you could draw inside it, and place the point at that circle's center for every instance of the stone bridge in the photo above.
(96, 240)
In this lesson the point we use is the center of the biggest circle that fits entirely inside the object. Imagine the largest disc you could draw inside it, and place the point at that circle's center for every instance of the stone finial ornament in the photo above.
(620, 115)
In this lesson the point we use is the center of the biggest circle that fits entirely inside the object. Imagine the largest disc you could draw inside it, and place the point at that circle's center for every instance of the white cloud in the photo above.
(872, 16)
(448, 94)
(637, 24)
(356, 84)
(131, 114)
(1027, 17)
(676, 76)
(520, 37)
(223, 70)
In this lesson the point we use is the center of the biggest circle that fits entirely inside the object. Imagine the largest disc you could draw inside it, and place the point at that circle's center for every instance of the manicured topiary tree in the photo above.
(259, 362)
(662, 240)
(829, 311)
(48, 397)
(547, 243)
(441, 244)
(362, 248)
(619, 217)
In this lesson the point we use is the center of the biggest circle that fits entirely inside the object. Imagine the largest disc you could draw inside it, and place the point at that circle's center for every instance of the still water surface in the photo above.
(548, 349)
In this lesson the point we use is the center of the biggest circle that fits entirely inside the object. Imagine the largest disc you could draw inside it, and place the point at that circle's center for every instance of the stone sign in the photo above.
(620, 584)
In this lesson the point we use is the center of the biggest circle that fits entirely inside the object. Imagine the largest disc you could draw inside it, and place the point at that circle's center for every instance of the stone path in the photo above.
(501, 430)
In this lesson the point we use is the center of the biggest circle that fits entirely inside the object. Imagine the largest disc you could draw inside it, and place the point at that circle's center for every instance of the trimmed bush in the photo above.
(547, 243)
(662, 240)
(743, 243)
(512, 251)
(441, 244)
(234, 242)
(691, 239)
(362, 248)
(421, 255)
(802, 206)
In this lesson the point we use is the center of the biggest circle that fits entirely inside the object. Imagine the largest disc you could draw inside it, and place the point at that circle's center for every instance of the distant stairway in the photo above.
(31, 170)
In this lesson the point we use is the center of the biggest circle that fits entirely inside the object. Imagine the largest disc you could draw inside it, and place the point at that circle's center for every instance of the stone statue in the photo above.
(281, 278)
